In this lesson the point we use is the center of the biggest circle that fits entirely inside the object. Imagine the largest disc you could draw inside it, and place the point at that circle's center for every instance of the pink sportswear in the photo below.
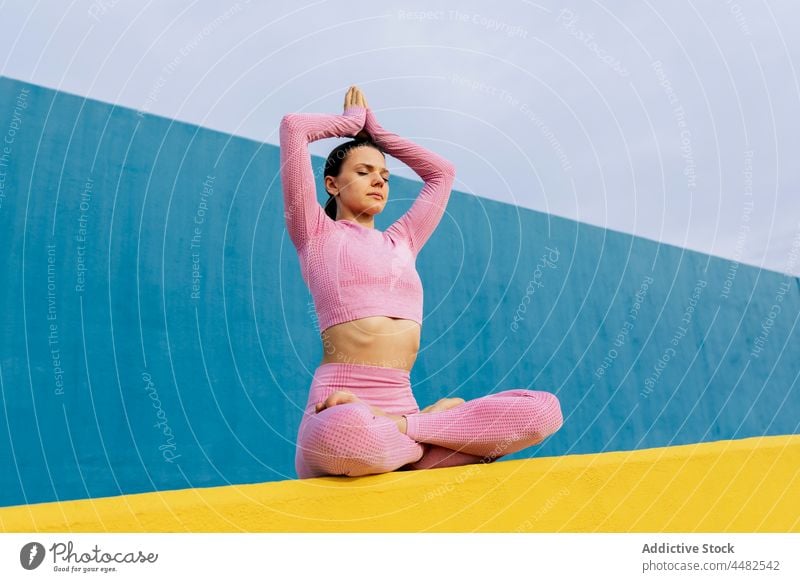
(355, 271)
(348, 439)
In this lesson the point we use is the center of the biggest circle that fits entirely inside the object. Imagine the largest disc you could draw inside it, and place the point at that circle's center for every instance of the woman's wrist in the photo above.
(357, 113)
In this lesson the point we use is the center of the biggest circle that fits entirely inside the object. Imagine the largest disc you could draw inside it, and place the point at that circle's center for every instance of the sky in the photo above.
(677, 122)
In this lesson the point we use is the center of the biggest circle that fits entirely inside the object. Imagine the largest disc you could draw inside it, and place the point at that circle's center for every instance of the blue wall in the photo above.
(118, 376)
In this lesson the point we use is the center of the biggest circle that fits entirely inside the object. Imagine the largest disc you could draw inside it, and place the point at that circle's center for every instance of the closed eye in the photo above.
(385, 178)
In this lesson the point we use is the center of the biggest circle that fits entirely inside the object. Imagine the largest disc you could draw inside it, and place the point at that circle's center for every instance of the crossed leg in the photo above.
(485, 429)
(436, 457)
(352, 439)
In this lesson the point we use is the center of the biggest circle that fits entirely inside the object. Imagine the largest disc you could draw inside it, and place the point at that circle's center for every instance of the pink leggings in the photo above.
(348, 439)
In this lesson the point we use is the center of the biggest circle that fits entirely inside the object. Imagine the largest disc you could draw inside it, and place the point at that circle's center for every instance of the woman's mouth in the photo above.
(376, 195)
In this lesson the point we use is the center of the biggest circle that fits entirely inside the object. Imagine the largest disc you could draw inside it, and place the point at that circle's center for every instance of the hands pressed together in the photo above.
(355, 96)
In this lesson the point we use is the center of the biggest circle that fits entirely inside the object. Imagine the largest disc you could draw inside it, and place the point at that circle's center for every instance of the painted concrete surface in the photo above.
(747, 485)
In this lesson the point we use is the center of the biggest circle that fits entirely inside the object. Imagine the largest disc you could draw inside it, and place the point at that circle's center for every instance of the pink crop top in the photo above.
(354, 271)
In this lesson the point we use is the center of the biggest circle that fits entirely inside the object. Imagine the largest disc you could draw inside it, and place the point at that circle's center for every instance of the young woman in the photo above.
(361, 416)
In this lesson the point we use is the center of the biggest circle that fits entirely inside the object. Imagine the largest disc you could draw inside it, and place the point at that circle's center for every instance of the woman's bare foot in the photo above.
(439, 406)
(443, 404)
(344, 397)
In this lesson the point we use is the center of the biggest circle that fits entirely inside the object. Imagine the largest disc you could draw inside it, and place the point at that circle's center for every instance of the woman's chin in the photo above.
(373, 209)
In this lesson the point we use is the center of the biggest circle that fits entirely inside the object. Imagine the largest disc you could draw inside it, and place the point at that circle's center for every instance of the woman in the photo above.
(361, 416)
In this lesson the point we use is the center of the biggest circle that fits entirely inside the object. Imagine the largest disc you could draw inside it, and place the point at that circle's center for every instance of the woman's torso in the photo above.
(388, 342)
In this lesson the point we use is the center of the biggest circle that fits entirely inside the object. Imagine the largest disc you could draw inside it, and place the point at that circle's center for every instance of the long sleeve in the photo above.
(419, 222)
(305, 217)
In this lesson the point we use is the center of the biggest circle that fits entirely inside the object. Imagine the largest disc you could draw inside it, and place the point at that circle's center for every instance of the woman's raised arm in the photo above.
(305, 218)
(419, 222)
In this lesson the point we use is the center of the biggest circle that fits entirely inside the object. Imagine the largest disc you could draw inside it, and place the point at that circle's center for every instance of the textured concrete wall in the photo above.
(158, 335)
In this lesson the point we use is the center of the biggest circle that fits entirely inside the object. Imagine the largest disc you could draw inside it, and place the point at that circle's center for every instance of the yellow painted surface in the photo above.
(726, 486)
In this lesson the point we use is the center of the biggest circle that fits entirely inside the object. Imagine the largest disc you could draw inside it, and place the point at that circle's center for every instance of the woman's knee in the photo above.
(542, 411)
(545, 412)
(337, 428)
(341, 440)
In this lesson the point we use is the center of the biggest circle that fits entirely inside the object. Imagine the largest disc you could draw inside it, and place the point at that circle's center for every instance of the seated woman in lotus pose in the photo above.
(361, 416)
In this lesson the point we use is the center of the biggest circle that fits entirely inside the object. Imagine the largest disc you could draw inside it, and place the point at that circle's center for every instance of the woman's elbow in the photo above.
(288, 130)
(449, 168)
(289, 121)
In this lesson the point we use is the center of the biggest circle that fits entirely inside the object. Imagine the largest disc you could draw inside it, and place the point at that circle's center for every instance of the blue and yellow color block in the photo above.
(158, 344)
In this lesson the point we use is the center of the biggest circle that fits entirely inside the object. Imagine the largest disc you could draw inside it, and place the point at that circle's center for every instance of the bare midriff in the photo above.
(388, 342)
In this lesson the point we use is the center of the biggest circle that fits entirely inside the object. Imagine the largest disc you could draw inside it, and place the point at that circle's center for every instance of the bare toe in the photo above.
(338, 397)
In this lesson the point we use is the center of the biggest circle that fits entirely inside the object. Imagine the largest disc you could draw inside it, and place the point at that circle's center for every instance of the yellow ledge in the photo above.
(726, 486)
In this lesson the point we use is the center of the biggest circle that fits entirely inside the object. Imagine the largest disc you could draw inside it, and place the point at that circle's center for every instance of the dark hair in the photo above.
(333, 166)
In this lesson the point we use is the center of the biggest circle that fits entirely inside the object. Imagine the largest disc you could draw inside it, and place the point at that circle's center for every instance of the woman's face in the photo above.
(363, 183)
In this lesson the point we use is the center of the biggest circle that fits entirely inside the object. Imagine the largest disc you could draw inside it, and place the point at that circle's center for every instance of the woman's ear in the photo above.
(330, 185)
